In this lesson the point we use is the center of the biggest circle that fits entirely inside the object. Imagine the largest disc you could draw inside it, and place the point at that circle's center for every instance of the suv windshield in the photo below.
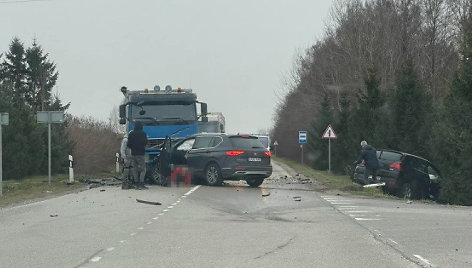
(169, 112)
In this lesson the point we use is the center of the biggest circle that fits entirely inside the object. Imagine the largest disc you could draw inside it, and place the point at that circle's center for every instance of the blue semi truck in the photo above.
(169, 113)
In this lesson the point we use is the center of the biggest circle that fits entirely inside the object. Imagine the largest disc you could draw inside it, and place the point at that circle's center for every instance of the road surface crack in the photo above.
(280, 247)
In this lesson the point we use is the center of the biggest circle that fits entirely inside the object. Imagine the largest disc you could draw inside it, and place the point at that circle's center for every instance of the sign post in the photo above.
(302, 138)
(329, 134)
(48, 117)
(4, 120)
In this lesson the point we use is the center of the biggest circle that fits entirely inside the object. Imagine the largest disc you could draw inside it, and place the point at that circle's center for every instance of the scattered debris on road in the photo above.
(297, 198)
(107, 181)
(409, 202)
(102, 190)
(265, 194)
(53, 215)
(148, 202)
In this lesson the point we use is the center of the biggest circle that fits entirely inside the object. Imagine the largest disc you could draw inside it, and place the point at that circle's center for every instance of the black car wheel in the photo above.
(406, 191)
(410, 190)
(212, 174)
(254, 182)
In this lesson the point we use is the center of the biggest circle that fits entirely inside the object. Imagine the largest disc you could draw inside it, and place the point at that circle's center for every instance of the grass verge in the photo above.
(36, 188)
(333, 182)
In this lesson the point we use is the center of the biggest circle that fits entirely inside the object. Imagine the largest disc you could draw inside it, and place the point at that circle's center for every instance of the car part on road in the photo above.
(148, 202)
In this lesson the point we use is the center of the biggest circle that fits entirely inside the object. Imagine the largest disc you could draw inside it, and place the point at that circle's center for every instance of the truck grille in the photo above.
(154, 143)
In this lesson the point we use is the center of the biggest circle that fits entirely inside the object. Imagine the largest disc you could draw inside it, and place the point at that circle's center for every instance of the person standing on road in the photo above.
(369, 155)
(137, 141)
(125, 151)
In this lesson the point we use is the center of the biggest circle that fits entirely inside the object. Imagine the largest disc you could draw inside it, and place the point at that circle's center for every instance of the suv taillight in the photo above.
(269, 154)
(396, 165)
(234, 153)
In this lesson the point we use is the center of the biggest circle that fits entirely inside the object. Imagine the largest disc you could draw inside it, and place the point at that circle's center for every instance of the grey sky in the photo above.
(234, 54)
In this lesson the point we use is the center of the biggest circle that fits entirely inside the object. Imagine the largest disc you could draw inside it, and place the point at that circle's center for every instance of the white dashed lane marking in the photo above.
(367, 219)
(155, 218)
(95, 259)
(423, 260)
(110, 249)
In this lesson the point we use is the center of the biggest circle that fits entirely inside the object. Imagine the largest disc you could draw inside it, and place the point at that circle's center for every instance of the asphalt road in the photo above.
(286, 222)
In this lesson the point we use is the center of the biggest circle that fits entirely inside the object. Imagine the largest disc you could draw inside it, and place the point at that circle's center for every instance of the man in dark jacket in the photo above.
(371, 162)
(137, 141)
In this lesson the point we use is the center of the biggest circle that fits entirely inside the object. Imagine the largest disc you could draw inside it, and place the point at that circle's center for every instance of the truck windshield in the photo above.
(166, 112)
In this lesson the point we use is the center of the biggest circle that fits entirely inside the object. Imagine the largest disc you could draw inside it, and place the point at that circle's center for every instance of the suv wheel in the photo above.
(406, 191)
(254, 182)
(410, 190)
(212, 174)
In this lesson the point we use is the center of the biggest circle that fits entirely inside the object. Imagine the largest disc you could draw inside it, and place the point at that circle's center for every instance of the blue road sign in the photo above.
(302, 136)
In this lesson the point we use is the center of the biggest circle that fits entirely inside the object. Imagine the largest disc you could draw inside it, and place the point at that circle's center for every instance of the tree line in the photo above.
(395, 73)
(27, 80)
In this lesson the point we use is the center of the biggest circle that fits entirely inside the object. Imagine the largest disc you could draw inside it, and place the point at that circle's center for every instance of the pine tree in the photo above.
(411, 107)
(452, 135)
(41, 77)
(317, 147)
(344, 149)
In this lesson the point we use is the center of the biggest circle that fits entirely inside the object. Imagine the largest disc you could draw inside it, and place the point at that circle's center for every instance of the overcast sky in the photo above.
(235, 54)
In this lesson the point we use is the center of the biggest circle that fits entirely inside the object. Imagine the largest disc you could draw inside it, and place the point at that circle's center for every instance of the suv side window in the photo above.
(216, 141)
(202, 142)
(186, 145)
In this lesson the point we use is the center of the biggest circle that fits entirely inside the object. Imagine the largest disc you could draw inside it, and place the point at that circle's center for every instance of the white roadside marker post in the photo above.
(71, 169)
(117, 162)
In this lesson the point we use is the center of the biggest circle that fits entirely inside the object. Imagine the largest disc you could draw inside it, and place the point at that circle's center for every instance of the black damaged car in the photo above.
(405, 175)
(217, 157)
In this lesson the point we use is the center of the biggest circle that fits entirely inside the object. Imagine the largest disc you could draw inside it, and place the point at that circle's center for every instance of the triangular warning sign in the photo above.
(329, 133)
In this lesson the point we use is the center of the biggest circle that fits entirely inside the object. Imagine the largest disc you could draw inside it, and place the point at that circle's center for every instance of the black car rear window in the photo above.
(264, 141)
(391, 156)
(246, 142)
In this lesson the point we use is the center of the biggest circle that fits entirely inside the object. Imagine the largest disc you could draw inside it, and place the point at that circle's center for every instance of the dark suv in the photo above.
(218, 157)
(404, 174)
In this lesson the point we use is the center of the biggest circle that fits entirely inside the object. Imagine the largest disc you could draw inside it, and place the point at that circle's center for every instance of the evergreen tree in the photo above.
(41, 78)
(368, 121)
(317, 147)
(411, 107)
(344, 149)
(452, 135)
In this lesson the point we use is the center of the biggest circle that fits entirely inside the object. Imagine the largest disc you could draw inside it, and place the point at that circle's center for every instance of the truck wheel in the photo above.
(254, 182)
(213, 175)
